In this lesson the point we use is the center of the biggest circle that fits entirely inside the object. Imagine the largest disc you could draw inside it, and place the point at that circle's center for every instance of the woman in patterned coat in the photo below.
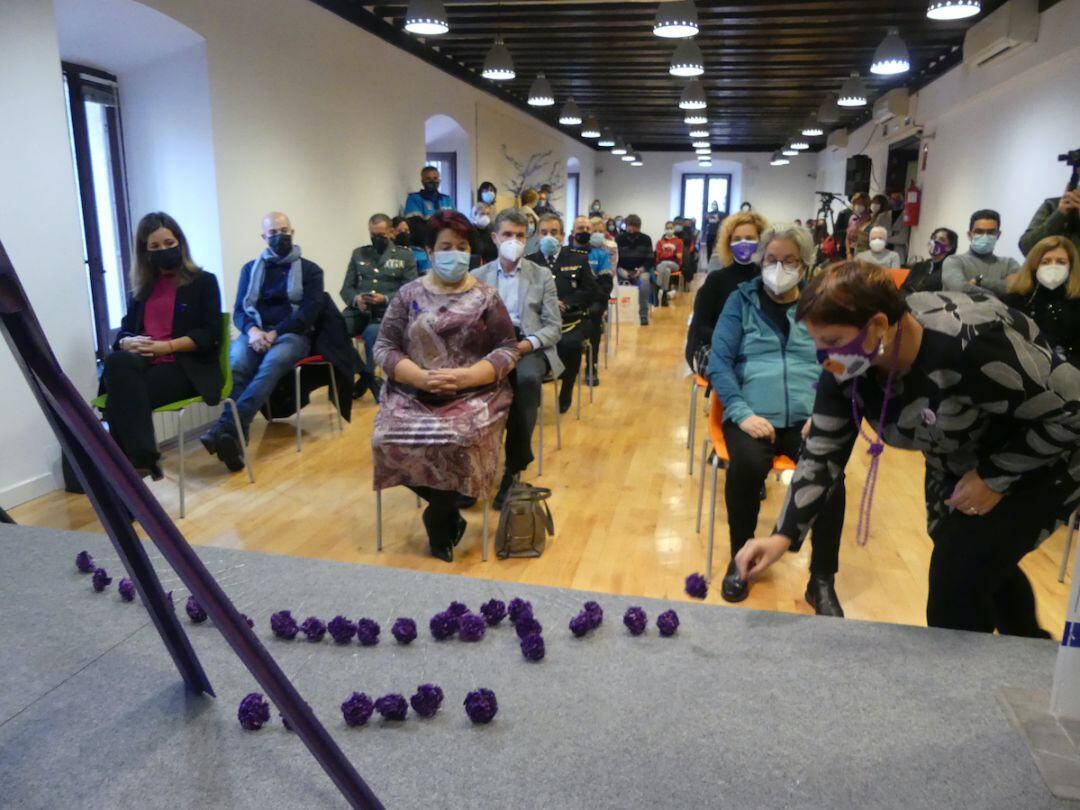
(971, 384)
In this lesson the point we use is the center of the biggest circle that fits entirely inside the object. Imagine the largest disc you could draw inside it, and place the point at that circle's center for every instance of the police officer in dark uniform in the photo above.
(578, 291)
(376, 272)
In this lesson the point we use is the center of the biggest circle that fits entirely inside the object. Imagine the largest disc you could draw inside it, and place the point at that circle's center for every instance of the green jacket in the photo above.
(371, 273)
(1049, 221)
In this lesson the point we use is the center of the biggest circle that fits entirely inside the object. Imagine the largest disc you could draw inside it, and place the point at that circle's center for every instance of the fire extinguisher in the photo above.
(912, 201)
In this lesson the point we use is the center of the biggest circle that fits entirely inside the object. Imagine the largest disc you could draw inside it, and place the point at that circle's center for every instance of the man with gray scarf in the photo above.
(278, 301)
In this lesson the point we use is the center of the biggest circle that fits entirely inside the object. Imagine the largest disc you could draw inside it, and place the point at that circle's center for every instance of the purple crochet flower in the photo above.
(284, 625)
(457, 609)
(668, 622)
(127, 590)
(443, 625)
(84, 562)
(427, 700)
(392, 707)
(195, 611)
(248, 619)
(404, 630)
(696, 586)
(471, 627)
(532, 647)
(341, 630)
(528, 626)
(367, 632)
(101, 579)
(357, 709)
(481, 706)
(581, 624)
(518, 608)
(635, 621)
(595, 614)
(254, 712)
(494, 611)
(314, 628)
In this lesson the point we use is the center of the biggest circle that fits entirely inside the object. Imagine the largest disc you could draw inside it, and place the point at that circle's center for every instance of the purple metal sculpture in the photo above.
(118, 494)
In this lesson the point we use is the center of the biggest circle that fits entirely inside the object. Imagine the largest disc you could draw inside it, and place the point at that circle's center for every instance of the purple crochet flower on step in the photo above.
(635, 620)
(580, 624)
(254, 712)
(532, 647)
(404, 630)
(357, 709)
(341, 630)
(471, 627)
(443, 625)
(248, 619)
(457, 609)
(696, 586)
(594, 612)
(392, 707)
(481, 706)
(528, 626)
(314, 628)
(668, 622)
(195, 611)
(127, 590)
(101, 579)
(427, 700)
(518, 608)
(367, 632)
(494, 611)
(284, 625)
(84, 562)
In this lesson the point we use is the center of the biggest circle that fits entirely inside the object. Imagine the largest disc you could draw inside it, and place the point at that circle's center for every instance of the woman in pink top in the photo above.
(167, 347)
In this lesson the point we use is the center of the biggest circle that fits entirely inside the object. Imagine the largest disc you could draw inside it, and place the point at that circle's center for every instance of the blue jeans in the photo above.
(644, 286)
(256, 375)
(371, 331)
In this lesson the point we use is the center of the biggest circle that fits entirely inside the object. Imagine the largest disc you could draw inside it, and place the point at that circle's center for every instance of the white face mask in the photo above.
(511, 250)
(483, 221)
(1052, 276)
(780, 278)
(875, 207)
(877, 245)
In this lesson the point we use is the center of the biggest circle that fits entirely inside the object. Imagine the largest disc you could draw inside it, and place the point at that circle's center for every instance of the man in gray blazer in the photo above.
(528, 292)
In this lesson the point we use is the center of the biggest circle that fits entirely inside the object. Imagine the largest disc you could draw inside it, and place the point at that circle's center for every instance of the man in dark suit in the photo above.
(578, 291)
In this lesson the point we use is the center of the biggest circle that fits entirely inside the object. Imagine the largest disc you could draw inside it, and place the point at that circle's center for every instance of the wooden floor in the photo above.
(623, 503)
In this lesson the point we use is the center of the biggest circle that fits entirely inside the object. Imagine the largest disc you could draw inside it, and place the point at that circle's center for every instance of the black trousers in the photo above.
(135, 388)
(443, 513)
(525, 379)
(569, 348)
(975, 581)
(751, 462)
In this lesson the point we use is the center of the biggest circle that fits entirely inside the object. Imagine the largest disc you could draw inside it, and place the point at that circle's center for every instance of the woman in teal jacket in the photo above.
(763, 366)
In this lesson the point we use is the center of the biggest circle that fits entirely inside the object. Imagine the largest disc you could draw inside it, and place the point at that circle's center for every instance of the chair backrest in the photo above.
(899, 275)
(223, 354)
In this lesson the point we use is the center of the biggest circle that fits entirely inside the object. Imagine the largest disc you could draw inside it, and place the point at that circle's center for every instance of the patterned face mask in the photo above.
(848, 361)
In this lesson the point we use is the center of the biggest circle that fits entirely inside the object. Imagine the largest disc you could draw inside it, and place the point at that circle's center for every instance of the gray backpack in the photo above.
(524, 522)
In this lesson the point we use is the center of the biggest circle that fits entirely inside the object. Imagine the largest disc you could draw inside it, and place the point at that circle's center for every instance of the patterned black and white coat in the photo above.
(985, 392)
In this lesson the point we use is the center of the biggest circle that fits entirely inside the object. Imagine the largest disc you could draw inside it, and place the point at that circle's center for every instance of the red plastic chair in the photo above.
(313, 360)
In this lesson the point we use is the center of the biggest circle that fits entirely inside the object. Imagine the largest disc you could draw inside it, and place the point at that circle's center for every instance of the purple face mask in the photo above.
(938, 249)
(852, 359)
(743, 251)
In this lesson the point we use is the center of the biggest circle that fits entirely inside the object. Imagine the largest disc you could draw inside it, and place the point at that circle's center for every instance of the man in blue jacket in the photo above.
(426, 202)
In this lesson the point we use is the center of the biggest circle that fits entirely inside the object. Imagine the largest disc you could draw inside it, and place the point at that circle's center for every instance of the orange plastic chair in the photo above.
(720, 458)
(899, 275)
(697, 382)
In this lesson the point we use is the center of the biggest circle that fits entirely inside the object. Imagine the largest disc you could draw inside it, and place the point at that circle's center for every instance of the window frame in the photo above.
(705, 177)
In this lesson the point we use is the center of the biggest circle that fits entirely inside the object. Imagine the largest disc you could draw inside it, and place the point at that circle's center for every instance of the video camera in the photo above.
(1072, 159)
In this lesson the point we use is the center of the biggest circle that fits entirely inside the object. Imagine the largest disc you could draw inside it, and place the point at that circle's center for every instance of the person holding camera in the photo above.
(376, 273)
(1057, 216)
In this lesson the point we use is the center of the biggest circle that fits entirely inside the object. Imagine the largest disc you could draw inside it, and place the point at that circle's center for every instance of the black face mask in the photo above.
(582, 238)
(167, 259)
(380, 243)
(280, 243)
(402, 240)
(431, 186)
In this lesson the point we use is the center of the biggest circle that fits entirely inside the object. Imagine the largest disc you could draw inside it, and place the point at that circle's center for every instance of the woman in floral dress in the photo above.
(446, 345)
(971, 384)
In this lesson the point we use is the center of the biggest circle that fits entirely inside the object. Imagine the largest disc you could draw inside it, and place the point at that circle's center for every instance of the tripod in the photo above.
(825, 212)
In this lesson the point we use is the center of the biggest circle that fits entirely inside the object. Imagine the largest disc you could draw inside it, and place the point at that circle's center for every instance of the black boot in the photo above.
(229, 450)
(821, 595)
(439, 540)
(734, 588)
(210, 439)
(375, 384)
(361, 387)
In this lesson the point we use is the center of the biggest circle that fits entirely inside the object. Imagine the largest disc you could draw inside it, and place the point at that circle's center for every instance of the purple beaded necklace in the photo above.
(877, 446)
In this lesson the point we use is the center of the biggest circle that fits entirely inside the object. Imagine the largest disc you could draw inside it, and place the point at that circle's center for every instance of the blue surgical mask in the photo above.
(450, 265)
(549, 245)
(488, 197)
(596, 240)
(983, 243)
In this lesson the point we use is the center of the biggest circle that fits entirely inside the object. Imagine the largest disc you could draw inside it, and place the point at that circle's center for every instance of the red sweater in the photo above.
(669, 249)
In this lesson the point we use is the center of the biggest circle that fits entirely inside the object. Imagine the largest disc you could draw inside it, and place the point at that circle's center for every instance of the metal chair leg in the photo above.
(180, 445)
(1074, 520)
(592, 365)
(296, 378)
(540, 419)
(701, 484)
(337, 402)
(378, 520)
(712, 521)
(607, 342)
(230, 403)
(484, 547)
(580, 377)
(558, 422)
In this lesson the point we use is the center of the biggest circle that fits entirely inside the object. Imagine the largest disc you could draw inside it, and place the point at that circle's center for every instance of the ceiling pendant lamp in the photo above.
(629, 156)
(607, 140)
(891, 56)
(700, 130)
(779, 160)
(693, 96)
(828, 113)
(637, 161)
(570, 115)
(499, 65)
(853, 93)
(591, 128)
(705, 164)
(812, 129)
(687, 60)
(676, 20)
(541, 94)
(787, 151)
(427, 18)
(619, 148)
(705, 150)
(953, 9)
(799, 144)
(696, 117)
(700, 144)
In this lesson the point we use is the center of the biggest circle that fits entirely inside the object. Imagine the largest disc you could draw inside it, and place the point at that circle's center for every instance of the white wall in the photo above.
(39, 225)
